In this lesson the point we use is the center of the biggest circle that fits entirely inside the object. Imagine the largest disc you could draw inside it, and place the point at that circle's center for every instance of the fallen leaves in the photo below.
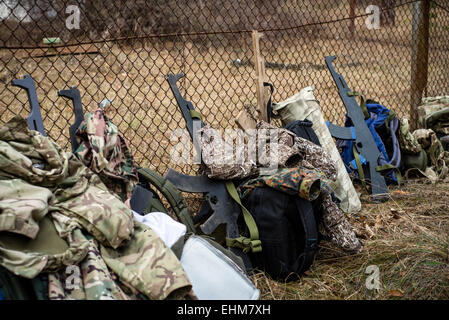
(396, 293)
(369, 231)
(400, 192)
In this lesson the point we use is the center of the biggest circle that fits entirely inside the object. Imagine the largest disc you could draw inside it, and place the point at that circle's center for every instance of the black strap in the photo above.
(269, 103)
(305, 260)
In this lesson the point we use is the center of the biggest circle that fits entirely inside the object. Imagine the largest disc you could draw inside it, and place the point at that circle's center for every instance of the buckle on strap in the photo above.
(246, 244)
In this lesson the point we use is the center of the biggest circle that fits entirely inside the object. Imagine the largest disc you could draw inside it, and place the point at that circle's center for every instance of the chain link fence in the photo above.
(123, 51)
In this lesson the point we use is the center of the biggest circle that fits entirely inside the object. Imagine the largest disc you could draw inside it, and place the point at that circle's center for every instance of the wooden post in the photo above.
(420, 57)
(352, 15)
(245, 121)
(259, 64)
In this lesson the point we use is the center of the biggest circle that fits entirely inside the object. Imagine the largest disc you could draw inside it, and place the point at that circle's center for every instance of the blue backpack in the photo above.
(383, 125)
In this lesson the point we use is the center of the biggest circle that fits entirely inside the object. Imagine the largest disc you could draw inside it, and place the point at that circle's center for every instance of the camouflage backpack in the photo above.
(433, 114)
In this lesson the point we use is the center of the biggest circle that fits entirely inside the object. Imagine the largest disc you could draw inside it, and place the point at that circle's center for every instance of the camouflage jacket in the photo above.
(266, 147)
(310, 185)
(105, 152)
(38, 179)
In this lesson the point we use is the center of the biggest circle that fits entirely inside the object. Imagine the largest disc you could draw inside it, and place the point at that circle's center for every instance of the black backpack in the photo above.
(287, 224)
(288, 232)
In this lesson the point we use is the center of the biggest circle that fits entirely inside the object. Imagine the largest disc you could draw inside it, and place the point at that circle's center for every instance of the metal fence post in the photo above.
(420, 57)
(352, 15)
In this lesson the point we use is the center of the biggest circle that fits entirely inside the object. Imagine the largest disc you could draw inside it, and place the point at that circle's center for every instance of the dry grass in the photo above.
(407, 238)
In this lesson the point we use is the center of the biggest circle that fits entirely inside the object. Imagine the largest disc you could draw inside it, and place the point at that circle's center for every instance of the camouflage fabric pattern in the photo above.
(221, 159)
(306, 183)
(76, 190)
(438, 158)
(79, 202)
(311, 185)
(30, 264)
(337, 227)
(104, 151)
(431, 106)
(22, 206)
(311, 156)
(407, 141)
(89, 280)
(228, 162)
(148, 265)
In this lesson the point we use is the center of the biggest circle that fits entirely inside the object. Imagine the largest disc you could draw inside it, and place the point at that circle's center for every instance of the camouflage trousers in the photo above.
(311, 185)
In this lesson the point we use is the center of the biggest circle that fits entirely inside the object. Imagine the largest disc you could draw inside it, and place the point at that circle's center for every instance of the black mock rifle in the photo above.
(142, 196)
(222, 204)
(74, 94)
(363, 140)
(34, 120)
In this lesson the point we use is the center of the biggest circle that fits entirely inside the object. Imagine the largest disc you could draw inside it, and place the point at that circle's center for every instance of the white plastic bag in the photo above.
(215, 276)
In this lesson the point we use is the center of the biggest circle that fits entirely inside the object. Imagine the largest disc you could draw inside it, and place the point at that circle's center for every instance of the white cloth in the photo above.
(165, 226)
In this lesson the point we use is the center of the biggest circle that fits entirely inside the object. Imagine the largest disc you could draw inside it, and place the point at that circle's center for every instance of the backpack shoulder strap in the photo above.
(306, 214)
(173, 196)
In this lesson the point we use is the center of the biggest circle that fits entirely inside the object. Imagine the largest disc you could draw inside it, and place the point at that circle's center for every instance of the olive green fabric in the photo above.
(252, 243)
(47, 240)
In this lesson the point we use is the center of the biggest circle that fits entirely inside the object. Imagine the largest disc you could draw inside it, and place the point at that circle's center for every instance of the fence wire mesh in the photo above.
(124, 50)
